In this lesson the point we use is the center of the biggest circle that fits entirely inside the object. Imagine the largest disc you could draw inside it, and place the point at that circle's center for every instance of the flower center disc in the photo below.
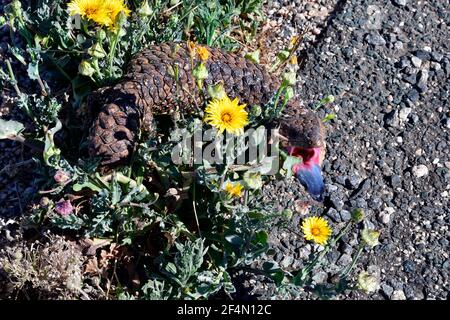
(315, 231)
(226, 117)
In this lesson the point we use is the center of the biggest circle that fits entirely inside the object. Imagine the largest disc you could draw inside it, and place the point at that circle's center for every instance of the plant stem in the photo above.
(112, 51)
(345, 273)
(13, 77)
(195, 211)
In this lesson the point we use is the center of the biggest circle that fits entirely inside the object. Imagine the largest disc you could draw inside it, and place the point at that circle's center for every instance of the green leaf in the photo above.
(261, 237)
(50, 149)
(235, 240)
(289, 163)
(10, 129)
(329, 117)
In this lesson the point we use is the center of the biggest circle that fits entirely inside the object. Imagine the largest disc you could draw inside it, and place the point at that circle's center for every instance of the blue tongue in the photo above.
(311, 178)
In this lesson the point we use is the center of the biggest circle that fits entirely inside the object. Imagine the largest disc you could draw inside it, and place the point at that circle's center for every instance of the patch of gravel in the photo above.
(16, 182)
(388, 65)
(289, 18)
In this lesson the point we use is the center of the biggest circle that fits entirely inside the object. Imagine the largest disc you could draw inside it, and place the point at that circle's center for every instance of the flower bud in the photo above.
(101, 35)
(86, 69)
(253, 180)
(358, 215)
(256, 110)
(283, 55)
(287, 214)
(289, 79)
(45, 202)
(217, 91)
(61, 177)
(16, 7)
(200, 72)
(145, 10)
(370, 237)
(367, 282)
(253, 56)
(289, 93)
(64, 207)
(97, 51)
(121, 18)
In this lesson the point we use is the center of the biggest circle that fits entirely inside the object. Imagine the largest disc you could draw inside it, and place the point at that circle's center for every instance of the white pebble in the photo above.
(420, 170)
(398, 295)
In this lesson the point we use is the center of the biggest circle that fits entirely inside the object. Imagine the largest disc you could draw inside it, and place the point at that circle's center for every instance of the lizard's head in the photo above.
(303, 135)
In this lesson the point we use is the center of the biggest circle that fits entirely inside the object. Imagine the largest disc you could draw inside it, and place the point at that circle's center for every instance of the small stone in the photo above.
(320, 277)
(396, 181)
(387, 290)
(398, 295)
(384, 218)
(409, 266)
(423, 79)
(412, 79)
(413, 95)
(423, 55)
(344, 260)
(403, 114)
(436, 56)
(416, 62)
(375, 39)
(398, 45)
(447, 123)
(287, 261)
(400, 3)
(345, 215)
(420, 171)
(334, 215)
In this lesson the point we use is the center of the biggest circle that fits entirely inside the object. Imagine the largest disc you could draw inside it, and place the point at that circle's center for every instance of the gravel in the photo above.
(388, 65)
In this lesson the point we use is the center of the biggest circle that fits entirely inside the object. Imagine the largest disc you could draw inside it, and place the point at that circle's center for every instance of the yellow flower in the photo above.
(234, 190)
(316, 229)
(228, 115)
(102, 12)
(203, 53)
(114, 7)
(294, 60)
(90, 9)
(293, 40)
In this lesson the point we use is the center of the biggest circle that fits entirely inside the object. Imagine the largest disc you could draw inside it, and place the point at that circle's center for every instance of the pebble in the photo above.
(404, 114)
(420, 171)
(375, 39)
(387, 290)
(400, 2)
(417, 62)
(423, 79)
(398, 295)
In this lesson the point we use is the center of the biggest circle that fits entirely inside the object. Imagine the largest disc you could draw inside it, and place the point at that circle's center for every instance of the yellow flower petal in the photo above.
(102, 12)
(234, 190)
(316, 229)
(203, 53)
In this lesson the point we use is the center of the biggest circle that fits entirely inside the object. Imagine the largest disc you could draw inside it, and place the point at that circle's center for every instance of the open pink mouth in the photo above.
(308, 172)
(310, 156)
